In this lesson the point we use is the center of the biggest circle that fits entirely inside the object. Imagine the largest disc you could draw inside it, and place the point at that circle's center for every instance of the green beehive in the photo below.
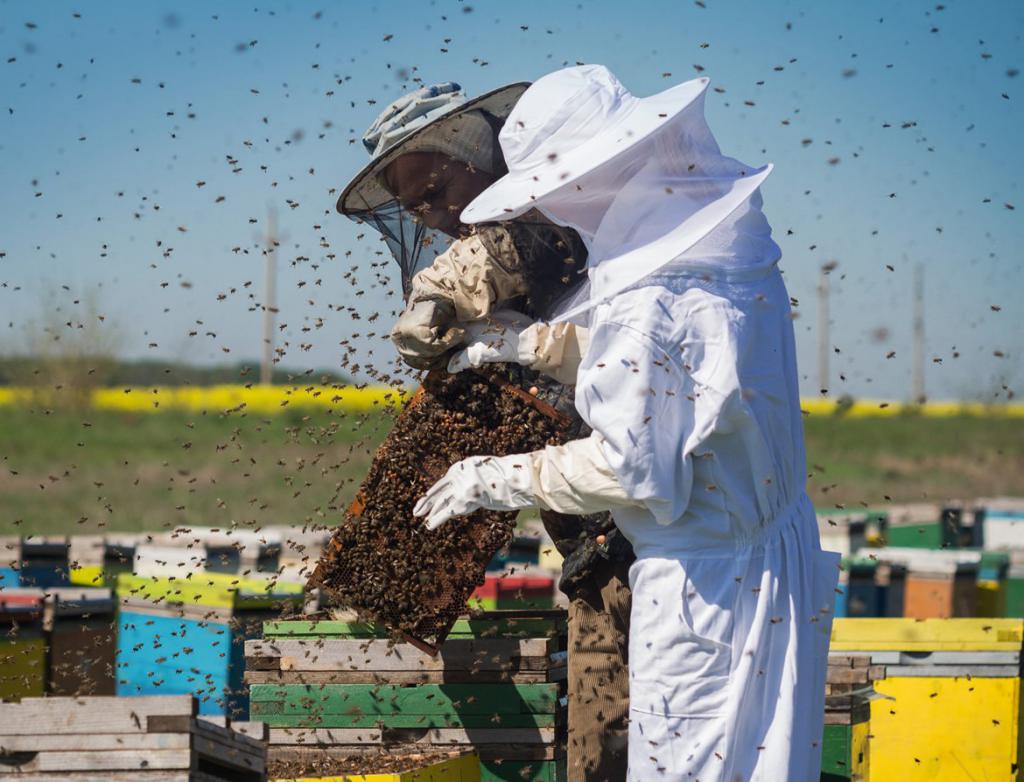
(337, 688)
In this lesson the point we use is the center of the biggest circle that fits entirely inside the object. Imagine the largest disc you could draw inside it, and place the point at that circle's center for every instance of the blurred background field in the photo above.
(69, 469)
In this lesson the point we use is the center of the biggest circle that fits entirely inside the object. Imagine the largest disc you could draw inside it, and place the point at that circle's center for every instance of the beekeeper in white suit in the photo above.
(687, 375)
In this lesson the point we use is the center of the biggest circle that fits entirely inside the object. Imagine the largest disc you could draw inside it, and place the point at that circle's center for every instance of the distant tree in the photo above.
(68, 349)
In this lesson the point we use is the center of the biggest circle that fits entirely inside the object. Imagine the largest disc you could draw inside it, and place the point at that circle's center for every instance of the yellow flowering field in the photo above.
(367, 398)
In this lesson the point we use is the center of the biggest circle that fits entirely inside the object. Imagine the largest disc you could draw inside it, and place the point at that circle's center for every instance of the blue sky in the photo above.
(893, 128)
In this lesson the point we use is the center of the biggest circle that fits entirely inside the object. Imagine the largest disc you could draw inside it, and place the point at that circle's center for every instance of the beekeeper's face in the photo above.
(436, 188)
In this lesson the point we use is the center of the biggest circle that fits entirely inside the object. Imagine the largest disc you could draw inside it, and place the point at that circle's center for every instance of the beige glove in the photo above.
(424, 333)
(576, 478)
(471, 278)
(462, 284)
(554, 350)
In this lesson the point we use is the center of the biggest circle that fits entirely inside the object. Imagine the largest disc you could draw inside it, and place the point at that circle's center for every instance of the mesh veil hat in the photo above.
(567, 124)
(365, 191)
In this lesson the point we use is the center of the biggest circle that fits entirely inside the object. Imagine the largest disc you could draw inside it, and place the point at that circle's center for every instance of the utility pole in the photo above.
(917, 396)
(823, 325)
(269, 295)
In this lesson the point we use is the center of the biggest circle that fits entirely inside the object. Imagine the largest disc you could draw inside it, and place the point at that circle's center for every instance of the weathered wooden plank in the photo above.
(229, 755)
(895, 657)
(137, 759)
(90, 714)
(525, 627)
(506, 751)
(952, 671)
(906, 634)
(98, 741)
(117, 776)
(313, 737)
(270, 713)
(405, 677)
(847, 675)
(460, 699)
(254, 730)
(377, 654)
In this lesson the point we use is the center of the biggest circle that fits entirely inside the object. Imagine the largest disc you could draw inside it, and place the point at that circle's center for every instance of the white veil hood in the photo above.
(672, 204)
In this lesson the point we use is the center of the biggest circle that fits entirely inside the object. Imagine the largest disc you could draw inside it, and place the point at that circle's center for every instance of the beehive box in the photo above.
(499, 593)
(331, 689)
(22, 645)
(951, 702)
(993, 570)
(45, 562)
(939, 584)
(124, 740)
(431, 767)
(185, 635)
(915, 525)
(849, 687)
(1015, 584)
(10, 561)
(81, 640)
(846, 531)
(230, 549)
(382, 561)
(999, 523)
(97, 560)
(872, 588)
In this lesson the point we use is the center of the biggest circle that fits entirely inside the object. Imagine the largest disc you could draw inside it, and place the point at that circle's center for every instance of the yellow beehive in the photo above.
(951, 705)
(465, 768)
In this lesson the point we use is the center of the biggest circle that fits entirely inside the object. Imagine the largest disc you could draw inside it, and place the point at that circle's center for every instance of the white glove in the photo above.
(425, 332)
(493, 341)
(555, 350)
(492, 482)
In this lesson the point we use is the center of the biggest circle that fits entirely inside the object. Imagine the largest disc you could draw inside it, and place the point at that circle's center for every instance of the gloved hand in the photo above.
(494, 341)
(493, 482)
(425, 332)
(555, 350)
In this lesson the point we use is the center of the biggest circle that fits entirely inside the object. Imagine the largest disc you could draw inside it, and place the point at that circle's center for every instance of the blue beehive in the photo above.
(180, 636)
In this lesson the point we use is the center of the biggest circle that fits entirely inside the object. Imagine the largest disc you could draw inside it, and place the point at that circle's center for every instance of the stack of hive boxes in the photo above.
(938, 584)
(130, 739)
(336, 689)
(849, 689)
(950, 699)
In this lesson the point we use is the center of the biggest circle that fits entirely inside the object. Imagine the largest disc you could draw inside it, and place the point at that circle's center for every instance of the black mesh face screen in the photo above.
(413, 245)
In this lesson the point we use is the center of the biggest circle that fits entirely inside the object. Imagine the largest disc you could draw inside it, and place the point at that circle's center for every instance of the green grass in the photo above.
(67, 472)
(911, 458)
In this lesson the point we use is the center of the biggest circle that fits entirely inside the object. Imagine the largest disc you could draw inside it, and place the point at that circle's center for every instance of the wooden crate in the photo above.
(81, 641)
(22, 644)
(950, 701)
(335, 688)
(123, 739)
(185, 636)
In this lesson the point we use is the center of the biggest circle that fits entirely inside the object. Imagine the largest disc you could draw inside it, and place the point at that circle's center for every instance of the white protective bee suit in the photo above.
(689, 382)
